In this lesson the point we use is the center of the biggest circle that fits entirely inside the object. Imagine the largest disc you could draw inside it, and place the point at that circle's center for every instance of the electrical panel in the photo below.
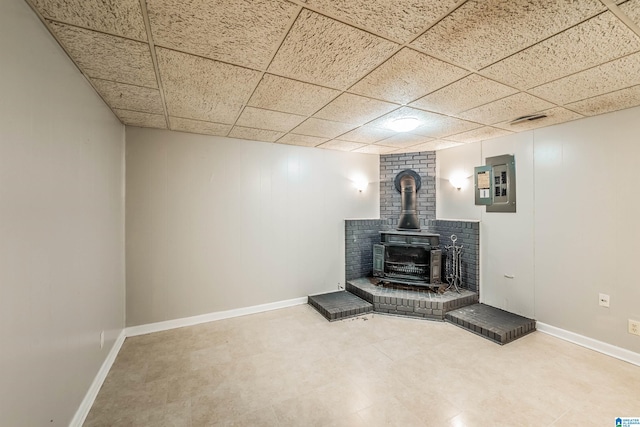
(495, 184)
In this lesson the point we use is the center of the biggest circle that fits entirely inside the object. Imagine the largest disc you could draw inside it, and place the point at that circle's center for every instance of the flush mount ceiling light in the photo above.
(404, 124)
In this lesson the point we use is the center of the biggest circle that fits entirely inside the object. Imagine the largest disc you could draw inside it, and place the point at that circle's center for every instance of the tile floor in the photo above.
(291, 367)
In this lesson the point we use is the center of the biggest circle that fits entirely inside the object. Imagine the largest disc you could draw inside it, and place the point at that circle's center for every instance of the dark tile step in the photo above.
(492, 323)
(339, 305)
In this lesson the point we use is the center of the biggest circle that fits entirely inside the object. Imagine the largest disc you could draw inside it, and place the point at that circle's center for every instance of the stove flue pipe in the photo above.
(408, 183)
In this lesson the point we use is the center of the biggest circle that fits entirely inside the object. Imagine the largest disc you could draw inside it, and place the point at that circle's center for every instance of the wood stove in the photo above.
(408, 258)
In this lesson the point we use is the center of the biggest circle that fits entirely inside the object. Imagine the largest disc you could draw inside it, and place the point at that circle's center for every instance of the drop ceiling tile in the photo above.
(404, 112)
(400, 20)
(632, 10)
(270, 120)
(136, 118)
(203, 89)
(322, 128)
(374, 149)
(255, 134)
(612, 101)
(327, 52)
(290, 96)
(129, 97)
(240, 32)
(198, 126)
(479, 134)
(443, 145)
(481, 32)
(107, 57)
(438, 126)
(354, 109)
(554, 116)
(609, 77)
(403, 140)
(302, 140)
(466, 93)
(121, 18)
(504, 109)
(576, 49)
(336, 144)
(407, 76)
(426, 146)
(367, 134)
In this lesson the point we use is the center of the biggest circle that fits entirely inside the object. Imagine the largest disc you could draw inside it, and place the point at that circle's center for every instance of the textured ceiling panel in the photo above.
(290, 96)
(255, 134)
(327, 52)
(467, 93)
(119, 17)
(198, 126)
(129, 97)
(407, 76)
(367, 134)
(466, 68)
(202, 89)
(438, 126)
(504, 109)
(554, 116)
(399, 20)
(322, 128)
(354, 109)
(336, 144)
(632, 10)
(614, 75)
(481, 32)
(403, 140)
(242, 32)
(426, 146)
(613, 101)
(375, 149)
(269, 120)
(136, 118)
(479, 134)
(383, 122)
(574, 50)
(302, 140)
(107, 57)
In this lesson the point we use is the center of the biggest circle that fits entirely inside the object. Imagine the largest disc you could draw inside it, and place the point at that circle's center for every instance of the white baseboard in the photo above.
(132, 331)
(82, 412)
(590, 343)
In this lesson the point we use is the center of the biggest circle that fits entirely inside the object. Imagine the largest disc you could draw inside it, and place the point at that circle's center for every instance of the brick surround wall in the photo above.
(424, 164)
(359, 238)
(468, 233)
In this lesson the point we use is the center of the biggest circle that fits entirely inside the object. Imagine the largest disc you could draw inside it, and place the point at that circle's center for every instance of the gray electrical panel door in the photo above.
(504, 183)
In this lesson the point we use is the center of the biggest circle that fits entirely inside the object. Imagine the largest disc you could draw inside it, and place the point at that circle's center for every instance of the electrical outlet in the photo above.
(101, 339)
(634, 327)
(603, 300)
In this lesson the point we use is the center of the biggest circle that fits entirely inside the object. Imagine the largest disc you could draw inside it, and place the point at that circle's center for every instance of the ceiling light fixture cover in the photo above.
(404, 124)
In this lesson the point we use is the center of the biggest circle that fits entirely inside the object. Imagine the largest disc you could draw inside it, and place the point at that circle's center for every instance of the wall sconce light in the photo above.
(459, 180)
(361, 184)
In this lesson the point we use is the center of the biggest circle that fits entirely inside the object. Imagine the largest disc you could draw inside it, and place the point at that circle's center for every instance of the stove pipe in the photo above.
(408, 183)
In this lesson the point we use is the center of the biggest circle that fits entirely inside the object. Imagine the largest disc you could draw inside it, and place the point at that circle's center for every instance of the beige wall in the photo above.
(216, 224)
(61, 226)
(576, 231)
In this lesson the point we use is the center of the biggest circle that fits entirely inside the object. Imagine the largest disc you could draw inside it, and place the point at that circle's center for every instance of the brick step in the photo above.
(413, 303)
(339, 305)
(491, 323)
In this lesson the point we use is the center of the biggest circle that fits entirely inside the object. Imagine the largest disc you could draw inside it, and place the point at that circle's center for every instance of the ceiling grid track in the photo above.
(152, 50)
